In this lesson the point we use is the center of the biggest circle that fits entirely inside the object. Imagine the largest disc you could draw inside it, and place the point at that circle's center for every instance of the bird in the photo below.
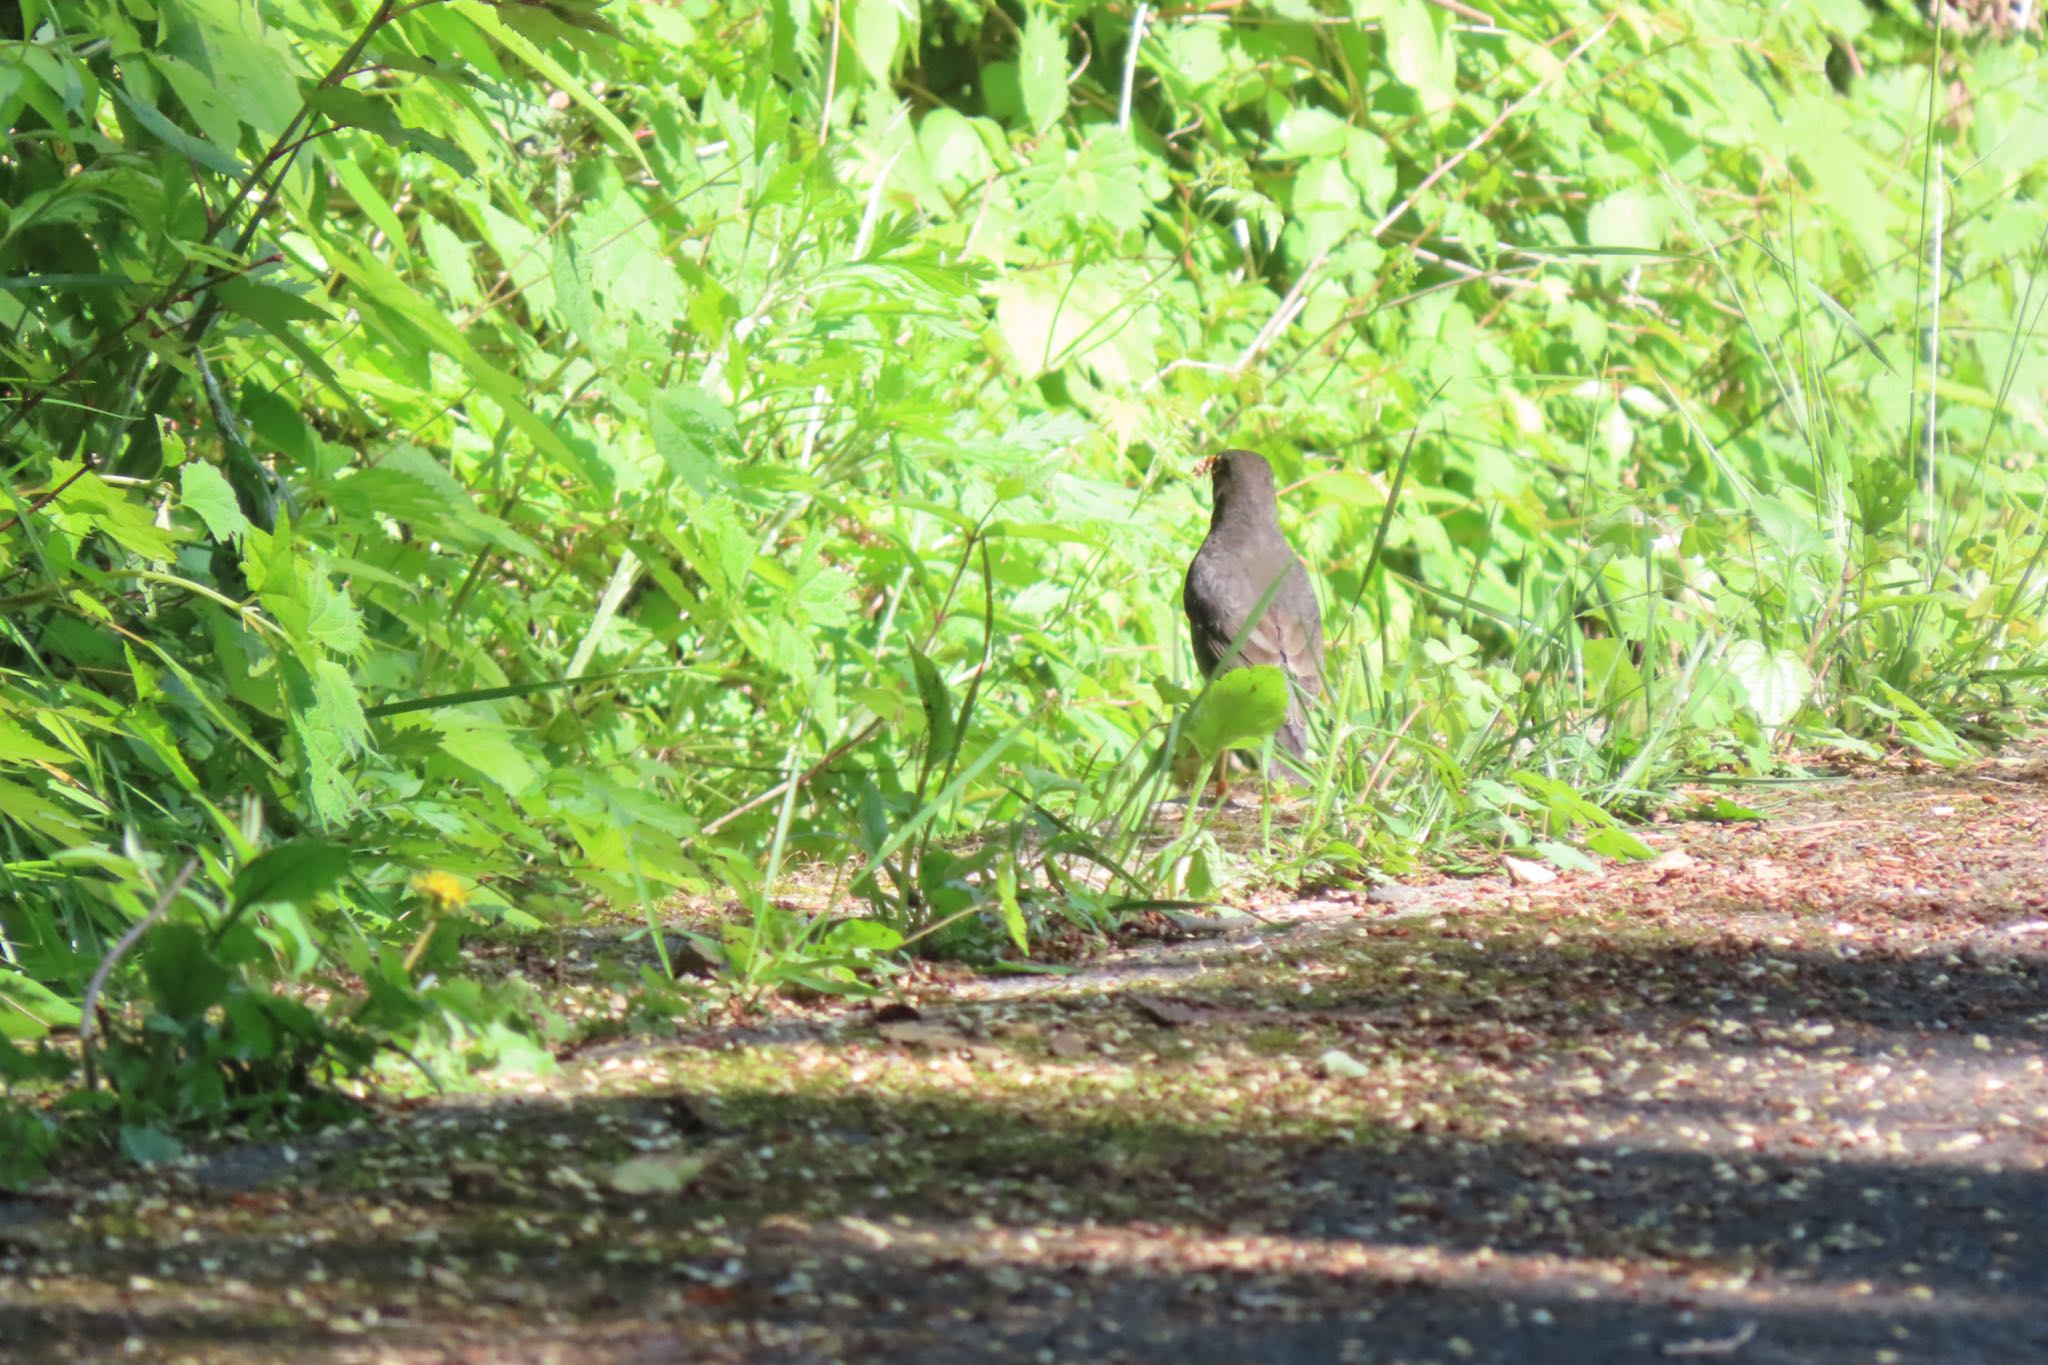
(1240, 558)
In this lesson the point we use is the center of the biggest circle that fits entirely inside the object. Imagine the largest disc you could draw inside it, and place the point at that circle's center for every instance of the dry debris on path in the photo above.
(1778, 1096)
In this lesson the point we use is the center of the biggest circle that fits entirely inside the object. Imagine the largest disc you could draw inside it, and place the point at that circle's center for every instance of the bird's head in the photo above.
(1239, 477)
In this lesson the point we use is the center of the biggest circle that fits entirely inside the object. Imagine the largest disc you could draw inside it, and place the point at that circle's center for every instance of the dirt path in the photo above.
(1778, 1097)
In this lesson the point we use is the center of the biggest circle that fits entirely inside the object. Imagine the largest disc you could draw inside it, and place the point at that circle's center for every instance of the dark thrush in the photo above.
(1240, 558)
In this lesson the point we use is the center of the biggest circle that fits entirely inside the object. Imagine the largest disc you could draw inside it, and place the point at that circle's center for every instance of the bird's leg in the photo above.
(1222, 776)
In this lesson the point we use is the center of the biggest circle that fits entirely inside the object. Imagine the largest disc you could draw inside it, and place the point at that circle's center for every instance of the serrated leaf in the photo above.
(1042, 70)
(690, 428)
(331, 619)
(1419, 54)
(331, 729)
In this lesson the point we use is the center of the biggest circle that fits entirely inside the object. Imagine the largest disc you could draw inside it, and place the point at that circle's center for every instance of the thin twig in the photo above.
(1289, 309)
(1485, 135)
(122, 945)
(837, 752)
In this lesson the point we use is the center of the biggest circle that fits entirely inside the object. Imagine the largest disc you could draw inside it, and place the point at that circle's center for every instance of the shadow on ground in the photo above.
(1627, 1122)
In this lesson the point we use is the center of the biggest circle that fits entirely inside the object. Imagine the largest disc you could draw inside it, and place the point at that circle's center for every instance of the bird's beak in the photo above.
(1204, 465)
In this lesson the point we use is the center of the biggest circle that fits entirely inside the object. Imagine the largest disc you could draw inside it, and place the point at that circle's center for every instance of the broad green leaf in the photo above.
(489, 752)
(294, 871)
(1240, 710)
(147, 1144)
(249, 65)
(1630, 218)
(876, 27)
(862, 936)
(17, 745)
(204, 490)
(215, 115)
(1775, 682)
(185, 978)
(332, 731)
(92, 505)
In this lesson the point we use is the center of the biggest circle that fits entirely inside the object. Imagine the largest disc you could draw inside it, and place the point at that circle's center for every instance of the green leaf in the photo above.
(1882, 486)
(331, 618)
(92, 505)
(295, 871)
(938, 707)
(1042, 70)
(1419, 52)
(690, 428)
(204, 489)
(350, 108)
(443, 151)
(876, 28)
(1013, 912)
(666, 1172)
(31, 810)
(1722, 809)
(332, 729)
(188, 145)
(1618, 843)
(185, 978)
(1775, 682)
(1628, 218)
(488, 751)
(1240, 709)
(29, 1009)
(148, 1145)
(862, 936)
(274, 308)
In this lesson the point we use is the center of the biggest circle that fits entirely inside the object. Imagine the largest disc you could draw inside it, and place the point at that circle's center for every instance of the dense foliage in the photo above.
(470, 462)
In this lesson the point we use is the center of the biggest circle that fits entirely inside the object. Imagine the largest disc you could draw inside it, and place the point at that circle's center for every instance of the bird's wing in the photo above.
(1301, 595)
(1282, 637)
(1220, 601)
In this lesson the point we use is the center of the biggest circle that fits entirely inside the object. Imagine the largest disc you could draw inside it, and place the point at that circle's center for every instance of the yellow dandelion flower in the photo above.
(444, 889)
